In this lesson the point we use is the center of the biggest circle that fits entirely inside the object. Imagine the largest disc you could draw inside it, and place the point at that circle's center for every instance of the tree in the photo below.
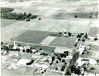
(57, 61)
(56, 68)
(78, 36)
(53, 58)
(28, 20)
(28, 15)
(73, 67)
(68, 71)
(63, 68)
(59, 58)
(95, 39)
(90, 17)
(86, 36)
(77, 71)
(66, 52)
(75, 16)
(92, 68)
(1, 43)
(98, 60)
(24, 14)
(63, 60)
(34, 16)
(39, 18)
(83, 39)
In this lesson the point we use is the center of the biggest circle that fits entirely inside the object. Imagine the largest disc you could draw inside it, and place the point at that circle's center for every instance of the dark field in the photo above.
(85, 15)
(64, 14)
(32, 36)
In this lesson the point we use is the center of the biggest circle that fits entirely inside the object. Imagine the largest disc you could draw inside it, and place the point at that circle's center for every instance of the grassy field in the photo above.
(6, 22)
(31, 36)
(66, 42)
(93, 31)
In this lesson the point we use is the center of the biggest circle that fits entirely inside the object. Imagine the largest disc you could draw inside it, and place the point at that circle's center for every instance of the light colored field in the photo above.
(50, 25)
(21, 25)
(62, 49)
(47, 40)
(5, 22)
(50, 12)
(46, 23)
(10, 33)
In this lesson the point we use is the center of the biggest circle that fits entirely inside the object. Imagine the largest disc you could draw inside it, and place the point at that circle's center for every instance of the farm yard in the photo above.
(43, 48)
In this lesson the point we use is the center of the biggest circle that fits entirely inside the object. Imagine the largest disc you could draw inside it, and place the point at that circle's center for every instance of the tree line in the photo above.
(72, 67)
(7, 13)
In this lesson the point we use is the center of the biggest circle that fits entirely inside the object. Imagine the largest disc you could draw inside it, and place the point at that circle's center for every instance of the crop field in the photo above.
(5, 22)
(34, 32)
(66, 42)
(32, 36)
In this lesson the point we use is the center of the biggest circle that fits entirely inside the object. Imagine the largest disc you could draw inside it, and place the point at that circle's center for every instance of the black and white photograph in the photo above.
(49, 37)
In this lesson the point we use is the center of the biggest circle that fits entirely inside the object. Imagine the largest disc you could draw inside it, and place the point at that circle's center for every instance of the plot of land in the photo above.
(65, 14)
(81, 15)
(5, 22)
(32, 36)
(48, 40)
(93, 31)
(73, 26)
(64, 41)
